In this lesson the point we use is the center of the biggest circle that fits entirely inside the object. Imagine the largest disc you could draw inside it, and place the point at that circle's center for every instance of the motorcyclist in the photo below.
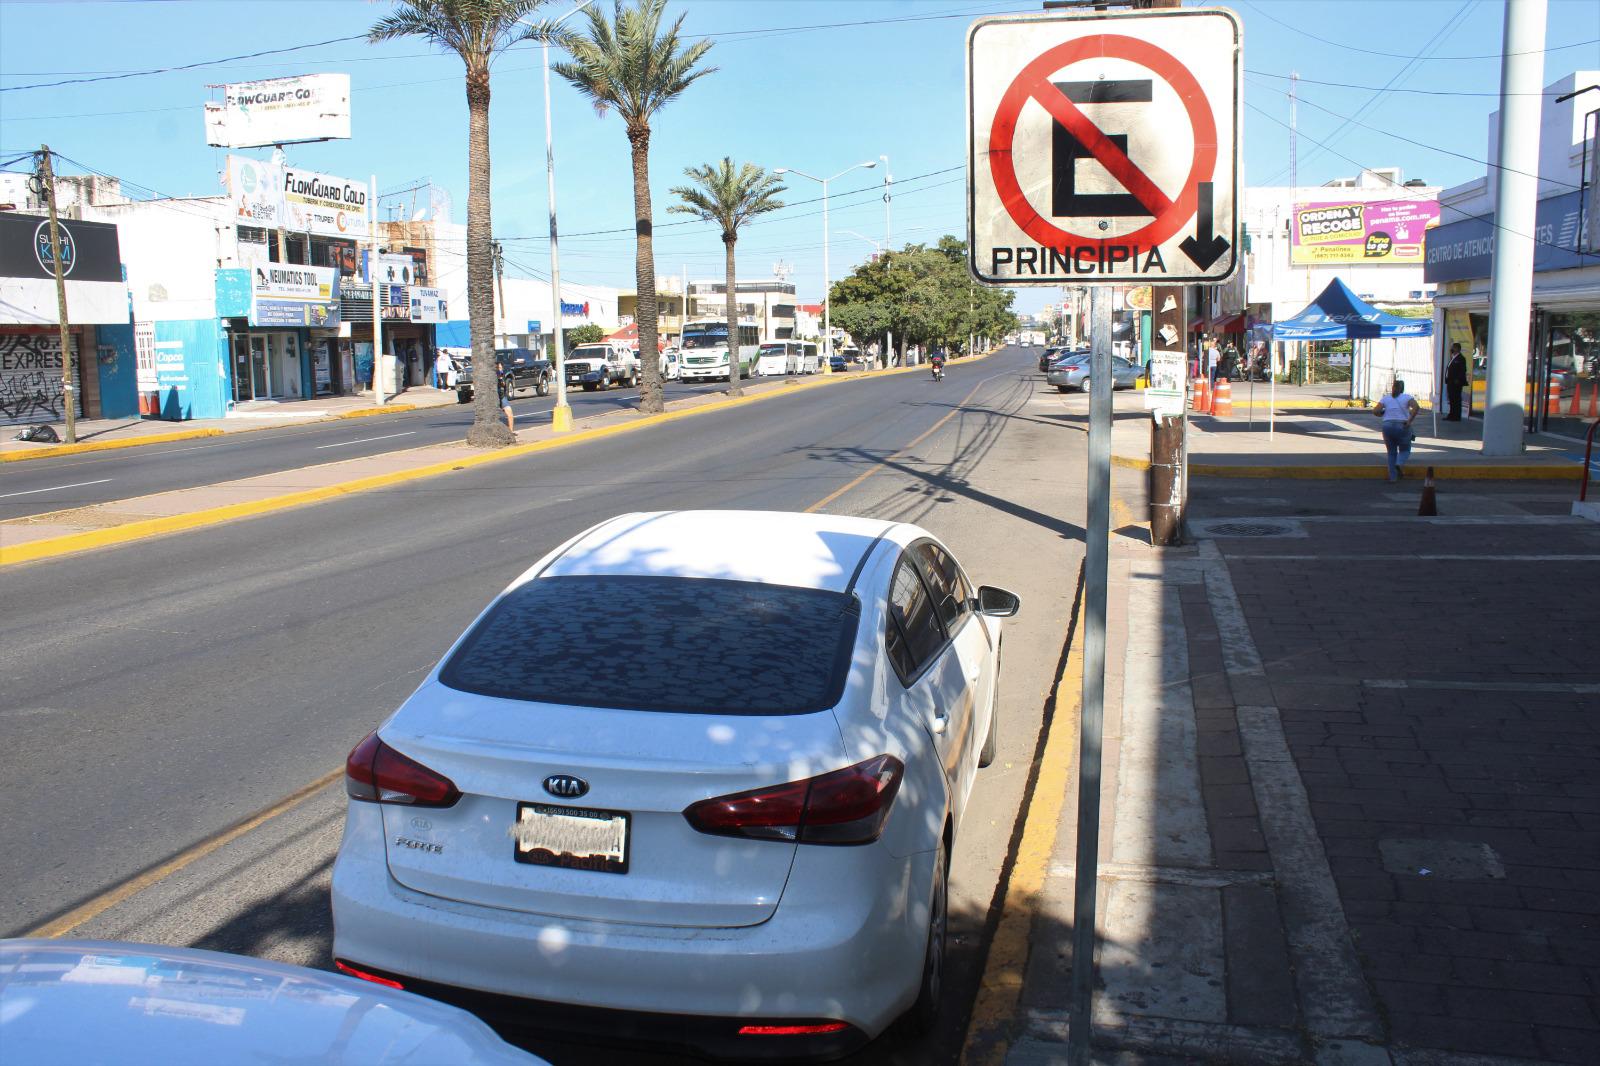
(937, 361)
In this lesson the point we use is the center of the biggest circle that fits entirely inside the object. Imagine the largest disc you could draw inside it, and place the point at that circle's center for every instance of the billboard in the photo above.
(91, 266)
(294, 296)
(1361, 231)
(253, 114)
(324, 204)
(255, 191)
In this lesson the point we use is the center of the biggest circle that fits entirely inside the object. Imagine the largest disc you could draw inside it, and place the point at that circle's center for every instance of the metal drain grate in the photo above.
(1250, 529)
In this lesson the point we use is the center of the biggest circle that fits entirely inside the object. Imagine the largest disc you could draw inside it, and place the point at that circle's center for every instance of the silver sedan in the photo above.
(1073, 373)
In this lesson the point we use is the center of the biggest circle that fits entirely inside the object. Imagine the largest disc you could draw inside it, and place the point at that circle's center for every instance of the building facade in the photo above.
(1562, 360)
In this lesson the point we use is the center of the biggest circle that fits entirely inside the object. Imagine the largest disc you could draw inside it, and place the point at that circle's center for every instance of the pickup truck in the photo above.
(523, 368)
(600, 366)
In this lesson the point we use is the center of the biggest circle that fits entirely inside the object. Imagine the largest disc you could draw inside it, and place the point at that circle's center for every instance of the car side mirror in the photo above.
(997, 602)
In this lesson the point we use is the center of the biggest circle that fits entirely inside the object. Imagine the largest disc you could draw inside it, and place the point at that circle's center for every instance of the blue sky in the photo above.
(817, 99)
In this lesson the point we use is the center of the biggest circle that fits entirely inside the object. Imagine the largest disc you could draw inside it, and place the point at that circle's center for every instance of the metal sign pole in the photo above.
(1095, 565)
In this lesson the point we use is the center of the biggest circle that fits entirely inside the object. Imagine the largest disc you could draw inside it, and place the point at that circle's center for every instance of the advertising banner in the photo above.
(428, 306)
(396, 269)
(324, 204)
(1464, 250)
(1361, 231)
(91, 263)
(295, 296)
(253, 114)
(1168, 382)
(256, 192)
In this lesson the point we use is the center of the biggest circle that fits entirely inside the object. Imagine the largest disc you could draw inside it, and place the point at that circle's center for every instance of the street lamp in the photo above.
(827, 276)
(561, 416)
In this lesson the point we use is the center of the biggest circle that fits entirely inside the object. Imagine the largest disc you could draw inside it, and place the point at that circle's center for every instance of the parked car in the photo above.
(522, 368)
(758, 850)
(838, 363)
(1048, 356)
(602, 365)
(69, 1002)
(671, 364)
(1073, 373)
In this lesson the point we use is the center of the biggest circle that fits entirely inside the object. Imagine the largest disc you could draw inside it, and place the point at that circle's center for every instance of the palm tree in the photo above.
(730, 198)
(477, 31)
(632, 64)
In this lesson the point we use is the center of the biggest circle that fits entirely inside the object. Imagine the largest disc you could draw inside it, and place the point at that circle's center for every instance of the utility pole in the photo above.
(1516, 204)
(377, 294)
(47, 179)
(1169, 445)
(500, 279)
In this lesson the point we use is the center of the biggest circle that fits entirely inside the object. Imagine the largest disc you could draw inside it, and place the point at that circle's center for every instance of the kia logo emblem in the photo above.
(566, 786)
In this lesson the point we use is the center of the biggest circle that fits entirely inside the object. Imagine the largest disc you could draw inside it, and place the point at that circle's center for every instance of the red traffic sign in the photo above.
(1103, 148)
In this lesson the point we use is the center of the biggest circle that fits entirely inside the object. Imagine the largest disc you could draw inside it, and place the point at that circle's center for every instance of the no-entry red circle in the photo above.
(1003, 132)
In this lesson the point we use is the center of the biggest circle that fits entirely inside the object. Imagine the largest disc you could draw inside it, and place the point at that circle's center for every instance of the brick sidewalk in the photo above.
(1351, 804)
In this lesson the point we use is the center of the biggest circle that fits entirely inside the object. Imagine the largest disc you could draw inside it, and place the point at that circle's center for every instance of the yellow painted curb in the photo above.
(106, 445)
(388, 409)
(1000, 992)
(131, 531)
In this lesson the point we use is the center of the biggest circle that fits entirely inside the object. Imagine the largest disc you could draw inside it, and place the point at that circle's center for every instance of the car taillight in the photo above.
(387, 982)
(846, 806)
(377, 773)
(817, 1029)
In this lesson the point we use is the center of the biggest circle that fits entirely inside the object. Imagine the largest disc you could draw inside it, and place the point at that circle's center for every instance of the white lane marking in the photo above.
(1239, 557)
(55, 488)
(367, 440)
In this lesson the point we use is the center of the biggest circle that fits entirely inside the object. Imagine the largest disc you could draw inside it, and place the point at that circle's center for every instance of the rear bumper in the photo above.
(845, 945)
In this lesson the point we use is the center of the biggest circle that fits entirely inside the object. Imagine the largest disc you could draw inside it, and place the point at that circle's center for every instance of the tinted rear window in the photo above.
(661, 644)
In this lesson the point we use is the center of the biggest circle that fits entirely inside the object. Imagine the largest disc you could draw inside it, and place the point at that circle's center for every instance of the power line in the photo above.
(1394, 89)
(1401, 55)
(185, 66)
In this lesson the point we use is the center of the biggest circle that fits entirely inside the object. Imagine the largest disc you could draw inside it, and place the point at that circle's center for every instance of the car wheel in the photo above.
(1083, 386)
(463, 396)
(544, 387)
(588, 386)
(924, 1013)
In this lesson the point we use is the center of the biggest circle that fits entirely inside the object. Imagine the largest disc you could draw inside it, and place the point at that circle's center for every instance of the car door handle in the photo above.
(941, 722)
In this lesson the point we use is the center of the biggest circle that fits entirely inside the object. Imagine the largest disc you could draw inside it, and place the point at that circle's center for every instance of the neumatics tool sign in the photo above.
(1103, 148)
(1362, 231)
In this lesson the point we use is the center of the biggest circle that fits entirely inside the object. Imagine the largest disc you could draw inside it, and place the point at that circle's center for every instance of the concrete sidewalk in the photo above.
(1322, 443)
(97, 434)
(1350, 811)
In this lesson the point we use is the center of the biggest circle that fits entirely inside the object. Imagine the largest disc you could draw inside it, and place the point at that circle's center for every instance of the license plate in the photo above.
(573, 838)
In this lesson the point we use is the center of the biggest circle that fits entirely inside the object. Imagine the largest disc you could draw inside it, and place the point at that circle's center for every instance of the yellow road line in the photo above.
(79, 915)
(1000, 992)
(106, 445)
(83, 913)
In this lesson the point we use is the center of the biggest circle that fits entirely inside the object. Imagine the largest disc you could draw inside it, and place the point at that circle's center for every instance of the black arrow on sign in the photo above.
(1205, 247)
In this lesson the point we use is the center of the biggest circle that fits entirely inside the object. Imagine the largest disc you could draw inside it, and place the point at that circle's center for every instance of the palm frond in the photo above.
(726, 195)
(627, 62)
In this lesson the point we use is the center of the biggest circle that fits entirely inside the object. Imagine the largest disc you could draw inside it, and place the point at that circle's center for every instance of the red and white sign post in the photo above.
(1102, 149)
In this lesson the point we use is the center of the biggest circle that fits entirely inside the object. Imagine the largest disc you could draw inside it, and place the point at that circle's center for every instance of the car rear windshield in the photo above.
(699, 646)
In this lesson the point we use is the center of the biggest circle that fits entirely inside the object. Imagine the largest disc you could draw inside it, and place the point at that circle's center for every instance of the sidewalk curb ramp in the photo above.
(1365, 471)
(995, 1012)
(72, 543)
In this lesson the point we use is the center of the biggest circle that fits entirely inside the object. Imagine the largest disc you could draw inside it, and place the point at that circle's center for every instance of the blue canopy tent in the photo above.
(1339, 314)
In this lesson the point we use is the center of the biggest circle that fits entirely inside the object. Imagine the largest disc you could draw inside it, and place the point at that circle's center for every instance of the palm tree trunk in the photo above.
(651, 399)
(734, 388)
(488, 425)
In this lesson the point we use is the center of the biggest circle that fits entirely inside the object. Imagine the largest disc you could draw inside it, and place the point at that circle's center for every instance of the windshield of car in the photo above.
(674, 635)
(773, 349)
(705, 339)
(590, 351)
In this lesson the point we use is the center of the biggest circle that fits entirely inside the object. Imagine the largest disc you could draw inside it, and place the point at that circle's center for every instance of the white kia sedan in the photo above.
(694, 777)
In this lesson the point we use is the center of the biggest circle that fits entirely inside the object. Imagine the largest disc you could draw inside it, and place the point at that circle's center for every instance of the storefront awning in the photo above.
(1231, 324)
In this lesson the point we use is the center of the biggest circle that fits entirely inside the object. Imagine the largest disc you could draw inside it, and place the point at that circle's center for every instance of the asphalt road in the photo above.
(161, 691)
(42, 485)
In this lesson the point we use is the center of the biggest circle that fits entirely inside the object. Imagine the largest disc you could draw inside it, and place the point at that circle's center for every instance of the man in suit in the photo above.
(1455, 379)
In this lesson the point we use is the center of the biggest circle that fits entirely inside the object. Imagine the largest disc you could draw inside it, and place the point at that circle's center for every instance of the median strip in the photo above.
(140, 528)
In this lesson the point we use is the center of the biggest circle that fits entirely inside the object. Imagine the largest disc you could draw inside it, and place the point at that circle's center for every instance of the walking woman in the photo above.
(1398, 410)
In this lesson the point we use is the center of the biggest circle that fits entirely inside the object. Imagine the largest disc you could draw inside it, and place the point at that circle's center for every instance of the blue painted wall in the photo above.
(119, 396)
(453, 335)
(191, 369)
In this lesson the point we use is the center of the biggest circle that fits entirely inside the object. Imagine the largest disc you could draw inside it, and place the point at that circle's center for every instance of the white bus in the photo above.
(787, 357)
(705, 350)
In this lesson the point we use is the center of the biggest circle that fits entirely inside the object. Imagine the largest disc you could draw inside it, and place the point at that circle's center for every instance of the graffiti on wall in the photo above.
(30, 378)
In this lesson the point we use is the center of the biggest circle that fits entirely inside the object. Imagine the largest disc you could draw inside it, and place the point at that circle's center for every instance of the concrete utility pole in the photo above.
(1516, 203)
(1169, 447)
(377, 295)
(47, 177)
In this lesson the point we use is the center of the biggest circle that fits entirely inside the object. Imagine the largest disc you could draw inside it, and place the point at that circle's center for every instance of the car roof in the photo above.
(819, 551)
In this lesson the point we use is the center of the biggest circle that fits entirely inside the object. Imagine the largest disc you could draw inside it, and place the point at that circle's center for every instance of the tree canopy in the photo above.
(924, 295)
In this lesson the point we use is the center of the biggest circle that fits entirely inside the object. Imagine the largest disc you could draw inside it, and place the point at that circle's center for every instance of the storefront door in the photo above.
(243, 381)
(260, 367)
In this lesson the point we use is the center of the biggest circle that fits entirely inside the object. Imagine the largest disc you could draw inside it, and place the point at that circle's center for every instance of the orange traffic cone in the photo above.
(1552, 399)
(1200, 401)
(1430, 502)
(1577, 398)
(1222, 401)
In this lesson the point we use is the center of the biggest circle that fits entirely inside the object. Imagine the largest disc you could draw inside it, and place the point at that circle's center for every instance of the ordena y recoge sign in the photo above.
(1361, 231)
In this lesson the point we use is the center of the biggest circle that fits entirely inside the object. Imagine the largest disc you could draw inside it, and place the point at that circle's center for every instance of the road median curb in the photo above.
(83, 447)
(1368, 471)
(72, 543)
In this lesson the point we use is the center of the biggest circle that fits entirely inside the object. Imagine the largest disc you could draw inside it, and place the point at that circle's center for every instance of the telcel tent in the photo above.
(1339, 314)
